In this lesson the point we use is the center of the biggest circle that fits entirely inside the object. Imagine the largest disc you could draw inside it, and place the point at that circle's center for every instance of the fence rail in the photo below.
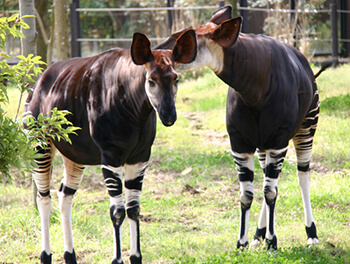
(145, 9)
(334, 40)
(305, 11)
(76, 38)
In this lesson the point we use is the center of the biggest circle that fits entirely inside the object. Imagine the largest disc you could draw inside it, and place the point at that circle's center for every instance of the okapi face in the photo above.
(160, 65)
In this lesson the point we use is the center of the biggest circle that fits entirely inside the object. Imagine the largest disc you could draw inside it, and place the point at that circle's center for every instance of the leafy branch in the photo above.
(18, 145)
(55, 126)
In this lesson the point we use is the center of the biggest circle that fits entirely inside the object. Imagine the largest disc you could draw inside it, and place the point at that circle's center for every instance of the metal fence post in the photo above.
(75, 29)
(344, 28)
(334, 30)
(244, 14)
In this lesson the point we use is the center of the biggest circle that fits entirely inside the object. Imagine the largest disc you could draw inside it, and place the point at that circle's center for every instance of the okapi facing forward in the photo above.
(112, 100)
(273, 98)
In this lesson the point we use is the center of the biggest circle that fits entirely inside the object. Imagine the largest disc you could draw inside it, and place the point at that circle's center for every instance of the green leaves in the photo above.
(11, 26)
(55, 127)
(26, 71)
(14, 150)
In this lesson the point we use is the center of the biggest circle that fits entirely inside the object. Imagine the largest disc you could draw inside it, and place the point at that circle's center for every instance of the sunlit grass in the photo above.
(190, 201)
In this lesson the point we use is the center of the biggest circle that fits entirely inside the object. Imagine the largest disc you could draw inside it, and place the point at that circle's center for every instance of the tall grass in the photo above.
(190, 202)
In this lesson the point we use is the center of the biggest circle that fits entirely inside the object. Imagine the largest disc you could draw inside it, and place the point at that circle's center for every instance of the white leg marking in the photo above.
(135, 170)
(133, 238)
(133, 196)
(66, 204)
(262, 217)
(44, 207)
(73, 173)
(304, 183)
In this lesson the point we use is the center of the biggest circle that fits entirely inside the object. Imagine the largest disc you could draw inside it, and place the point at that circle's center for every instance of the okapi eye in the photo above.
(151, 83)
(176, 82)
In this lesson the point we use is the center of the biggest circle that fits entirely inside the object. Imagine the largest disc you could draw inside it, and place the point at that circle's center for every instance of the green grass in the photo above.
(190, 202)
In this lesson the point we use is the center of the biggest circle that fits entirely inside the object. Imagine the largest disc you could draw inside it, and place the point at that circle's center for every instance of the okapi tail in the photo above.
(324, 65)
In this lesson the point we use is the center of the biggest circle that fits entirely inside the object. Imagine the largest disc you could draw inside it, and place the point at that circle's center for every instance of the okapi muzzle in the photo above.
(167, 110)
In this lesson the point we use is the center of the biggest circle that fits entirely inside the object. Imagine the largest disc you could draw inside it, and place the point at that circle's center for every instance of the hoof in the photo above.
(260, 234)
(70, 258)
(313, 241)
(255, 243)
(135, 260)
(45, 258)
(271, 244)
(115, 261)
(242, 246)
(258, 237)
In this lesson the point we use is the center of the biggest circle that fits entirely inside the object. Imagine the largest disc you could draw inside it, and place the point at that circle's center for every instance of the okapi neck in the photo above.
(247, 66)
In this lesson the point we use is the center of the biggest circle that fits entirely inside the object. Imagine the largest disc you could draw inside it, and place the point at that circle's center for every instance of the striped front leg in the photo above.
(273, 167)
(261, 229)
(245, 167)
(133, 185)
(114, 183)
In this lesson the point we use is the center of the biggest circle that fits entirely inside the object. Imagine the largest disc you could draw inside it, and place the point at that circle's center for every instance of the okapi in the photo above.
(112, 99)
(272, 98)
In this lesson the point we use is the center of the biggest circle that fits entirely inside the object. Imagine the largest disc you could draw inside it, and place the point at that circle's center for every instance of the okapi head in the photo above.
(220, 32)
(161, 77)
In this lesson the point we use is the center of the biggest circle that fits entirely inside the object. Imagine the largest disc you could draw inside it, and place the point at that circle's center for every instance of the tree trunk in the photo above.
(28, 44)
(42, 14)
(61, 30)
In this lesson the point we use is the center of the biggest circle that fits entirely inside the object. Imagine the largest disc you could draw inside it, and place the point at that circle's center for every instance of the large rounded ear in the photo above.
(171, 40)
(185, 49)
(227, 32)
(221, 15)
(141, 49)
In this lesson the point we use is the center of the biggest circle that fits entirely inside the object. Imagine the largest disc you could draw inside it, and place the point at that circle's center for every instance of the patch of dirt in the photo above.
(191, 190)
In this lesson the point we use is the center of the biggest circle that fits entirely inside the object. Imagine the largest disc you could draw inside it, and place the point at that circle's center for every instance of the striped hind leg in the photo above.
(303, 142)
(42, 178)
(72, 176)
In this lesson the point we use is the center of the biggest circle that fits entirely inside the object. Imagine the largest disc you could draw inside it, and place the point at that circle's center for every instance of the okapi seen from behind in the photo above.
(272, 98)
(112, 99)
